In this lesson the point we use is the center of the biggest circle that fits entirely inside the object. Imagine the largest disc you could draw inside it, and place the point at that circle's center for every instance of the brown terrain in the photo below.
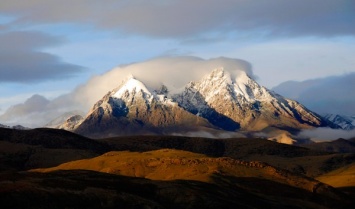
(71, 171)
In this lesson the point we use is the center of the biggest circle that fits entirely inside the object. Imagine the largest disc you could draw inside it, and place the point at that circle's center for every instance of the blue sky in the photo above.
(50, 47)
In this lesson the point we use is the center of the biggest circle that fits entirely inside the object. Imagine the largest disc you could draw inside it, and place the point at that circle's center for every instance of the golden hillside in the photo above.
(342, 177)
(168, 164)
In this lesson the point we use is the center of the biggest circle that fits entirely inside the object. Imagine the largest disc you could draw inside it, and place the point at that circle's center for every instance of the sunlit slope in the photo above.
(343, 177)
(167, 164)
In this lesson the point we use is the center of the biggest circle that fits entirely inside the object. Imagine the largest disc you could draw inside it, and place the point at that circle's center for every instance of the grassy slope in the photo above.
(296, 159)
(230, 177)
(167, 164)
(342, 177)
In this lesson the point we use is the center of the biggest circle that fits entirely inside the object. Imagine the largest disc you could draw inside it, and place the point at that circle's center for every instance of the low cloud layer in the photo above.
(22, 61)
(334, 94)
(325, 134)
(182, 18)
(174, 72)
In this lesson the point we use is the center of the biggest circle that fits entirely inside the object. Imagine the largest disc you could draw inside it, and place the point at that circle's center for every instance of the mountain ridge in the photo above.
(218, 102)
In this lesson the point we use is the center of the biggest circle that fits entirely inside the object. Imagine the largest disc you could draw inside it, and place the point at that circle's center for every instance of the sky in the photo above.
(50, 50)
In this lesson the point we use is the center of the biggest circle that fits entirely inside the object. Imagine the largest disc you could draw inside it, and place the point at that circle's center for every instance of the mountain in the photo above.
(133, 109)
(243, 104)
(4, 126)
(66, 119)
(72, 122)
(345, 122)
(217, 102)
(17, 127)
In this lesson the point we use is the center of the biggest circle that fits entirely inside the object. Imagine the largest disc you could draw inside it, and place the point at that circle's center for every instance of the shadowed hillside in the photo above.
(89, 189)
(339, 145)
(51, 138)
(25, 149)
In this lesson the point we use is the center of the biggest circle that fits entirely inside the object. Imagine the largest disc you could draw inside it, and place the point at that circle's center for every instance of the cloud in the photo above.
(21, 60)
(27, 112)
(36, 103)
(174, 72)
(334, 94)
(182, 18)
(36, 111)
(322, 134)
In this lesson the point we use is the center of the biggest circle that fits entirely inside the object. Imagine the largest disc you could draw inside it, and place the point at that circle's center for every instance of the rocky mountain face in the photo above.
(71, 122)
(133, 109)
(217, 102)
(243, 104)
(66, 119)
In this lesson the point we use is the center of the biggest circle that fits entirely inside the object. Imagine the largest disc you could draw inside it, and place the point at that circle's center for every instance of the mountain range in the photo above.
(218, 102)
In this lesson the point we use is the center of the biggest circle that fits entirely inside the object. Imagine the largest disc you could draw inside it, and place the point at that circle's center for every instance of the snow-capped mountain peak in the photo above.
(131, 85)
(132, 90)
(132, 108)
(218, 75)
(247, 87)
(239, 101)
(243, 78)
(241, 87)
(220, 100)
